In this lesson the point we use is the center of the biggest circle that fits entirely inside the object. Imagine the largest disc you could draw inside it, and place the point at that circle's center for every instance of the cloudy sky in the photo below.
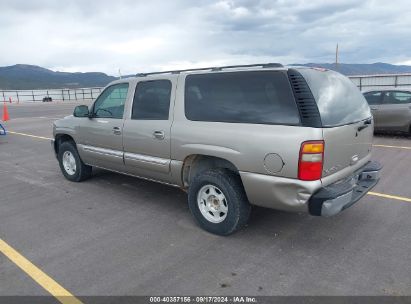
(136, 36)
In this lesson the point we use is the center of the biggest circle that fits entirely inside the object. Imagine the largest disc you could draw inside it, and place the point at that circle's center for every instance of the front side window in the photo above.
(395, 97)
(110, 104)
(152, 100)
(373, 98)
(260, 97)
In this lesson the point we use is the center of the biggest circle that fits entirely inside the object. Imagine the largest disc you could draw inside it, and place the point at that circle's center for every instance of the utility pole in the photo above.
(119, 73)
(336, 58)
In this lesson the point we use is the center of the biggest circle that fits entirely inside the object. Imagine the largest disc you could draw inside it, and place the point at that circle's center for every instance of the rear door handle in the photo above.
(116, 131)
(374, 109)
(362, 128)
(365, 125)
(159, 135)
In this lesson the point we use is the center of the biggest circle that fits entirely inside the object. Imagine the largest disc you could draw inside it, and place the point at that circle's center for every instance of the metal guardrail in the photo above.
(54, 94)
(382, 81)
(363, 82)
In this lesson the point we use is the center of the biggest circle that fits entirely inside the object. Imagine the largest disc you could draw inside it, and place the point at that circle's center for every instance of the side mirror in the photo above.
(81, 111)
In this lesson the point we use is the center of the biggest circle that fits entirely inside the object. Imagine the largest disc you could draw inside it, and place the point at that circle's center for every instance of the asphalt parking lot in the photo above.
(117, 235)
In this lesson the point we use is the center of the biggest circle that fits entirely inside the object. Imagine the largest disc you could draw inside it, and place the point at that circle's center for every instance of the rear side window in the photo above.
(396, 97)
(152, 100)
(261, 97)
(339, 101)
(373, 98)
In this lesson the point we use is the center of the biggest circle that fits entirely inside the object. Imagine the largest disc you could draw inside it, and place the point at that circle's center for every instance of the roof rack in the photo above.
(263, 65)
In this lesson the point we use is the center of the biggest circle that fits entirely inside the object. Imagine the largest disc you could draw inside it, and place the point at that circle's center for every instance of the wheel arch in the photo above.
(61, 138)
(196, 163)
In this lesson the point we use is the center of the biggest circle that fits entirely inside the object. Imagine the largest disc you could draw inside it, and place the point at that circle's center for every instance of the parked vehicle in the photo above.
(391, 109)
(47, 99)
(294, 139)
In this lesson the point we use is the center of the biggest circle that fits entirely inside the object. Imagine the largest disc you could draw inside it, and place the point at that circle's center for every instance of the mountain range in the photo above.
(30, 77)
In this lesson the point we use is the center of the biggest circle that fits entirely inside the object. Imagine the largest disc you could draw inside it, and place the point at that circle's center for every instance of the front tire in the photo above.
(218, 201)
(70, 163)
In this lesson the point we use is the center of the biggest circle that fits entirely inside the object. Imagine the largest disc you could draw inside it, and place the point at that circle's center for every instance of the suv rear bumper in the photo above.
(294, 195)
(334, 198)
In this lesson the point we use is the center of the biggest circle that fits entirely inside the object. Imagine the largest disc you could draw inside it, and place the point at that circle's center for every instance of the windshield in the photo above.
(339, 101)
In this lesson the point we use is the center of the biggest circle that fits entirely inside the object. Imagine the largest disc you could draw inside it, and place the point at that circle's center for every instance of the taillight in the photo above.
(310, 164)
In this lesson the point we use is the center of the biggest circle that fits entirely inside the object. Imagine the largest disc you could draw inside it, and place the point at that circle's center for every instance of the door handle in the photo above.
(362, 127)
(116, 131)
(365, 125)
(374, 109)
(159, 134)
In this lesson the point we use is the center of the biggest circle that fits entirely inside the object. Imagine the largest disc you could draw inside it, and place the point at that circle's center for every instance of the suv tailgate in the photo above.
(346, 121)
(346, 145)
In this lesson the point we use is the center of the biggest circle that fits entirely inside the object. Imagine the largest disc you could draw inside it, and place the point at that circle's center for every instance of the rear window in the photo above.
(261, 97)
(339, 101)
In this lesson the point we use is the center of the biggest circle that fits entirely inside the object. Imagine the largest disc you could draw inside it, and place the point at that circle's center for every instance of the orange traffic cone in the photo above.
(5, 112)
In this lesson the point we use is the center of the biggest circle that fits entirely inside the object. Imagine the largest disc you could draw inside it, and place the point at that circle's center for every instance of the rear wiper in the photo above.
(365, 125)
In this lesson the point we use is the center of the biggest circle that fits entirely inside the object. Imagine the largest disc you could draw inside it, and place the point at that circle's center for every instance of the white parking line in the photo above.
(43, 117)
(38, 117)
(30, 135)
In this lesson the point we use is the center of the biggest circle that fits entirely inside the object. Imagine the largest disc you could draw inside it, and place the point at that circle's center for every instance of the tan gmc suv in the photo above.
(294, 139)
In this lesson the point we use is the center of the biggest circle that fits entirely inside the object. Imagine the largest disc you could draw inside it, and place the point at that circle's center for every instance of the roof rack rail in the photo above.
(263, 65)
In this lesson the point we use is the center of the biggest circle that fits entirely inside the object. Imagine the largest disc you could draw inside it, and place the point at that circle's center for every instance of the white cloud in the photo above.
(135, 36)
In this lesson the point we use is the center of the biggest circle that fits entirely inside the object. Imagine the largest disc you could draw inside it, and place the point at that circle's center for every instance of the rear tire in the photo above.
(218, 201)
(70, 163)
